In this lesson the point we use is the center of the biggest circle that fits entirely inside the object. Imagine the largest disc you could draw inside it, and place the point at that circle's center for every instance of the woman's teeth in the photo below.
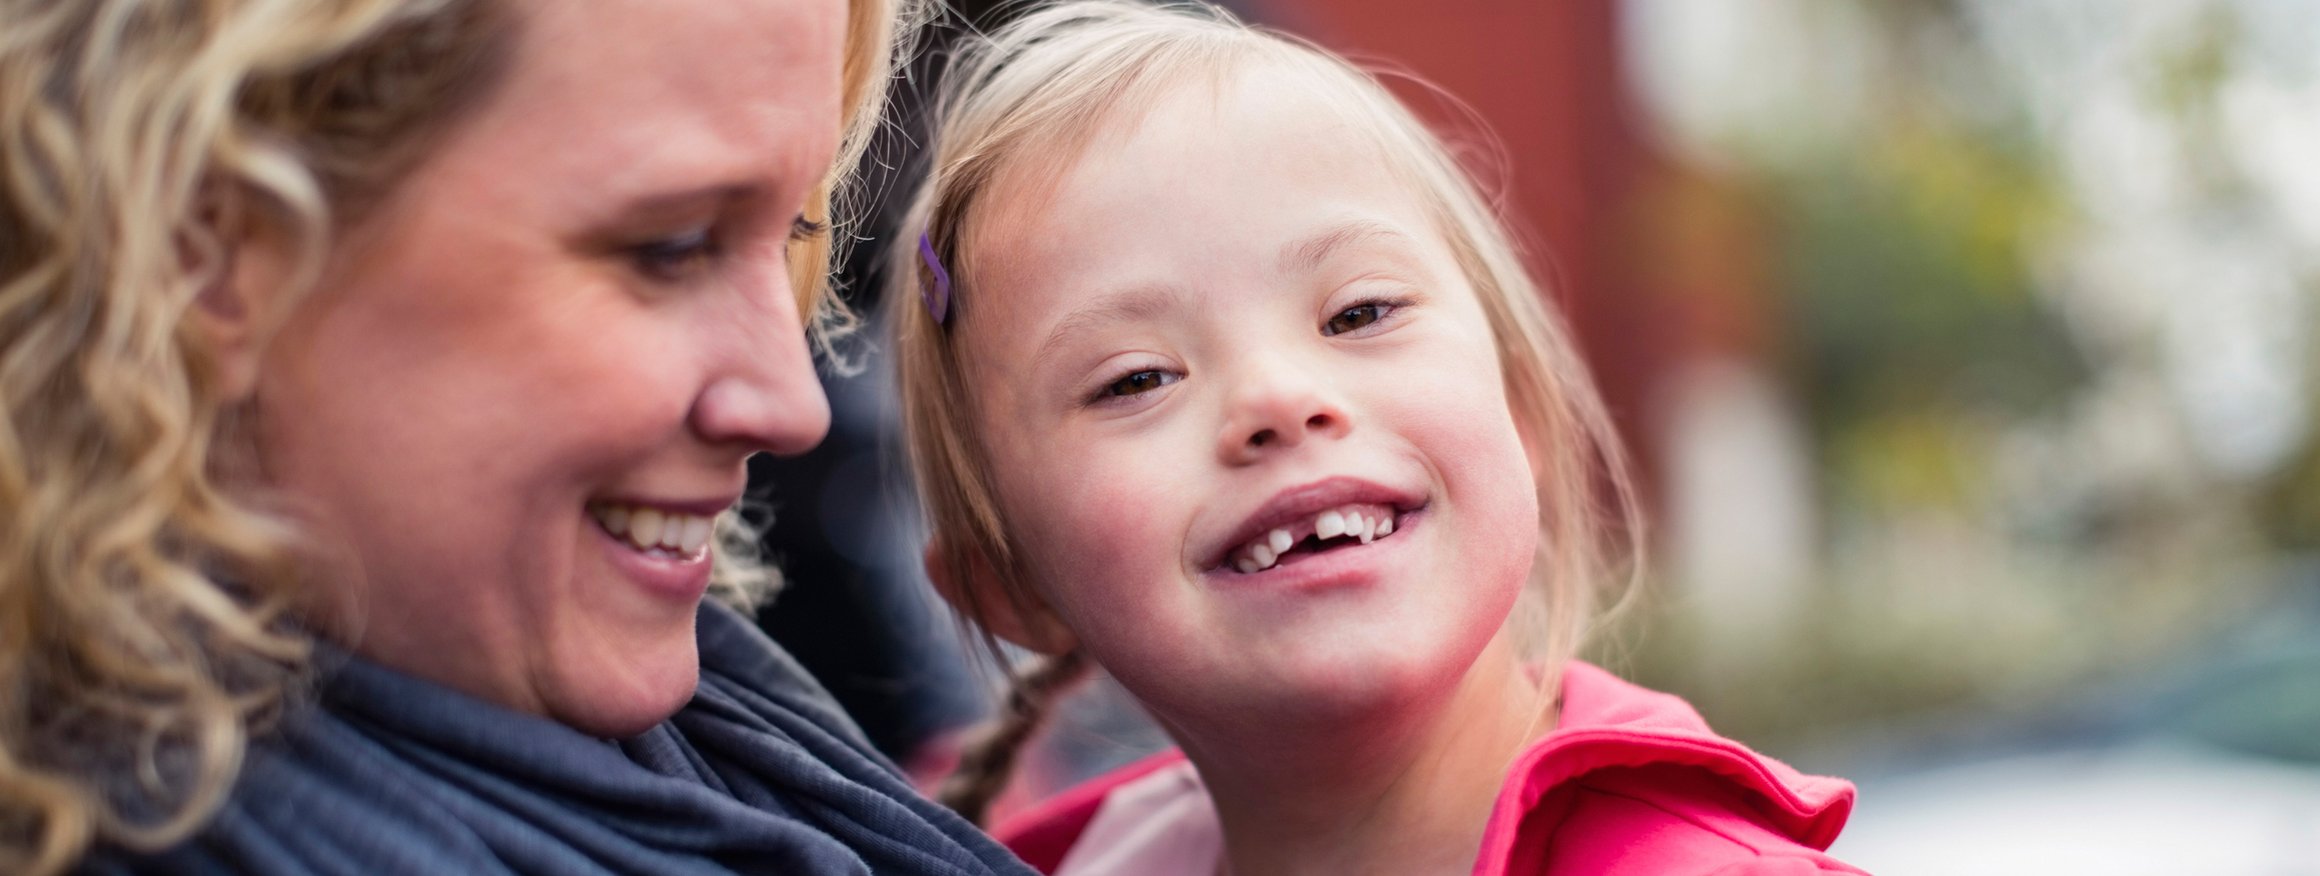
(650, 529)
(1363, 522)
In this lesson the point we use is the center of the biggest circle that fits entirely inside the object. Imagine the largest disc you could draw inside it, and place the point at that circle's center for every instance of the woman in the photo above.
(376, 375)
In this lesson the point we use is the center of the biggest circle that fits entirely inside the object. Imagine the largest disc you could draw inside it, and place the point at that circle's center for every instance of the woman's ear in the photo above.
(966, 580)
(243, 266)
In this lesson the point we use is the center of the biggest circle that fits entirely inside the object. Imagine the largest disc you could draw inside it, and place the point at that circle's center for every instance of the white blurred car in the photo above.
(2216, 772)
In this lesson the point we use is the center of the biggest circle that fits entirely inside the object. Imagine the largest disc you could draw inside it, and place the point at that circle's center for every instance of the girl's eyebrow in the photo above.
(1126, 305)
(1308, 254)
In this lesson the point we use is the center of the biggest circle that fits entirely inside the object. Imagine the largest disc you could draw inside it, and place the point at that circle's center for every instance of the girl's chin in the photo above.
(1300, 700)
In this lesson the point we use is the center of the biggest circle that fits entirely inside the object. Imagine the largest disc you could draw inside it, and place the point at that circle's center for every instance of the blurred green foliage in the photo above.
(1925, 342)
(1904, 272)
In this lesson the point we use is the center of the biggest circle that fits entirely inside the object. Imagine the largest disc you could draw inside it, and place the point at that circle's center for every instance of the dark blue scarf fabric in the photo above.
(760, 773)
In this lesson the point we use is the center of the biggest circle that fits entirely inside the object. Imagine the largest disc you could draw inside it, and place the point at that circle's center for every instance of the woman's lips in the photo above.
(655, 531)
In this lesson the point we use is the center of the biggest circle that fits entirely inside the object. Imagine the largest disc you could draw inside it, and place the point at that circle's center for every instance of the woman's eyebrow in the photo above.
(664, 203)
(1308, 254)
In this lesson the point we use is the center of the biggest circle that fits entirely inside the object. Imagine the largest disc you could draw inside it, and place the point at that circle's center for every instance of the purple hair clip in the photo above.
(938, 293)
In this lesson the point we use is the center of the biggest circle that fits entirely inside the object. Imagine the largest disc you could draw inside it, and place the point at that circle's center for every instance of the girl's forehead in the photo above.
(1170, 122)
(1245, 160)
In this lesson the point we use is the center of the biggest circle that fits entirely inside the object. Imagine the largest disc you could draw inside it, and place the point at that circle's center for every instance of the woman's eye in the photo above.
(1355, 317)
(676, 257)
(1139, 383)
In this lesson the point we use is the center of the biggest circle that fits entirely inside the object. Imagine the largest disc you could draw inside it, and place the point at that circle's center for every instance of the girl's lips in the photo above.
(1299, 511)
(1346, 564)
(1328, 530)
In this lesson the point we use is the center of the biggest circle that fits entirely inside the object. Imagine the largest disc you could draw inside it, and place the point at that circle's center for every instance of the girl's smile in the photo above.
(1318, 519)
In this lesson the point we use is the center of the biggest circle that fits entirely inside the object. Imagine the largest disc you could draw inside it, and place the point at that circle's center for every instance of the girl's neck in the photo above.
(1398, 794)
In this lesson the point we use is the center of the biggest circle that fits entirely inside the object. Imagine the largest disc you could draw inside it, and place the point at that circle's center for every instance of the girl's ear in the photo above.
(244, 271)
(966, 580)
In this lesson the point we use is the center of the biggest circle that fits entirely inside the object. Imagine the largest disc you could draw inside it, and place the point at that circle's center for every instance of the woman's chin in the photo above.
(618, 700)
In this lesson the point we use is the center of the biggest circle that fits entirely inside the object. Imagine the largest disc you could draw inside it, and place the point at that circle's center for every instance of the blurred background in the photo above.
(1968, 350)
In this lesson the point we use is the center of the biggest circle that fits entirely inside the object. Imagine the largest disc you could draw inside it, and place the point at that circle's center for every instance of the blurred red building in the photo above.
(1653, 267)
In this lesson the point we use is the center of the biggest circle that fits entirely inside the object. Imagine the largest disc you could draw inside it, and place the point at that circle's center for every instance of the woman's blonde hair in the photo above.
(144, 628)
(1038, 90)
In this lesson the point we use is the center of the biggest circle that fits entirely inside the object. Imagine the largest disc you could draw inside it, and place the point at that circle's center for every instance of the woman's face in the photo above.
(564, 331)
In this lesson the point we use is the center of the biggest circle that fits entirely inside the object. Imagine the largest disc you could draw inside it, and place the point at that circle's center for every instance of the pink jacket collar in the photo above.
(1608, 723)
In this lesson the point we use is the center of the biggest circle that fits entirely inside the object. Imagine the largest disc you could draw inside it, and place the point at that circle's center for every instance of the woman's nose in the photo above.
(1279, 411)
(763, 394)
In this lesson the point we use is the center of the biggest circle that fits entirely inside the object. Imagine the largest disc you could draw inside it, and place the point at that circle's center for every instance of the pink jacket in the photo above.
(1632, 781)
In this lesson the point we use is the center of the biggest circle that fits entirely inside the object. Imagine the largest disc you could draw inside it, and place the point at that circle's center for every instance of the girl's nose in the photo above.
(763, 393)
(1274, 414)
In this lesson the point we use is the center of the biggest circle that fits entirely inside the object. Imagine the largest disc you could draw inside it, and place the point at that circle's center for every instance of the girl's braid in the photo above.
(989, 763)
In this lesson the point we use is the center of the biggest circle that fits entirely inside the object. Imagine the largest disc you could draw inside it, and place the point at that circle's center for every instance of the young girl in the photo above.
(1220, 374)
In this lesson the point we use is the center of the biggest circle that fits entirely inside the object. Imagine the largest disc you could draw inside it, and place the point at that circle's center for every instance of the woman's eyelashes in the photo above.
(687, 254)
(677, 257)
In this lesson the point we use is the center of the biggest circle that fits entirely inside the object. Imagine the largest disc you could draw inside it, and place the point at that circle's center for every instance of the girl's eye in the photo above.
(1356, 317)
(802, 229)
(676, 257)
(1139, 383)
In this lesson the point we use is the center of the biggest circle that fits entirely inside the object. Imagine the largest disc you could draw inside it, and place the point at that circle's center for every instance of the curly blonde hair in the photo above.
(145, 627)
(1040, 88)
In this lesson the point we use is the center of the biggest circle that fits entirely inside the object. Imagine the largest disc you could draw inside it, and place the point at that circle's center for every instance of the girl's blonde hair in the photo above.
(144, 629)
(1037, 91)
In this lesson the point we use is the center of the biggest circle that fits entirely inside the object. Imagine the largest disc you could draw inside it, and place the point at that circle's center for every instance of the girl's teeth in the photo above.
(1264, 552)
(615, 520)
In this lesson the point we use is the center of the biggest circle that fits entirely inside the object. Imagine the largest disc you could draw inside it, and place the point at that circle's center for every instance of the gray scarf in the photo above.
(760, 773)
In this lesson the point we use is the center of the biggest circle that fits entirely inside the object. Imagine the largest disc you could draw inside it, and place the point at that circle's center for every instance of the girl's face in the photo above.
(1228, 328)
(576, 310)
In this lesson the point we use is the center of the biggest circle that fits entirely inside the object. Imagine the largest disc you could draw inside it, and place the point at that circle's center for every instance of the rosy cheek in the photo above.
(1099, 538)
(1107, 533)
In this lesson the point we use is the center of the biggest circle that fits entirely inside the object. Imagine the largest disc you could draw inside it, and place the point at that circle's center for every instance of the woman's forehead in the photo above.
(634, 101)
